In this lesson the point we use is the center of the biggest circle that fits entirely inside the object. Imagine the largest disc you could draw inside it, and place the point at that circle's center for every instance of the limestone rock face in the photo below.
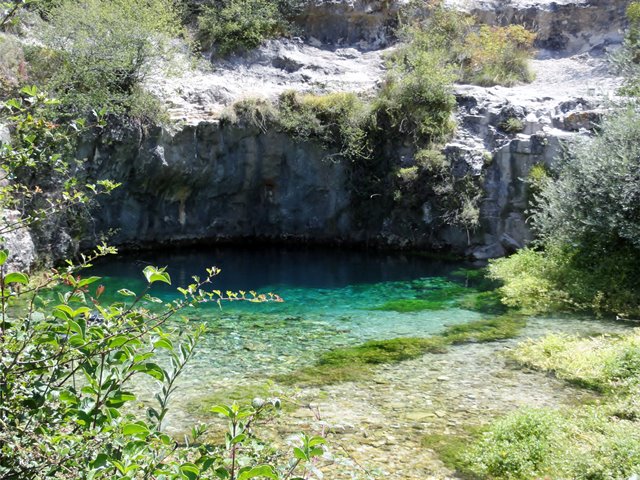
(19, 242)
(206, 180)
(212, 181)
(368, 23)
(563, 26)
(209, 181)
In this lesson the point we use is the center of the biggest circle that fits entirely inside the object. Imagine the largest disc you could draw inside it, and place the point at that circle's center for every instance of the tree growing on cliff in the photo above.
(102, 50)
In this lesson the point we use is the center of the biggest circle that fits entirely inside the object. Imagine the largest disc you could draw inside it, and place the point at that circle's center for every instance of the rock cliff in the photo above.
(206, 180)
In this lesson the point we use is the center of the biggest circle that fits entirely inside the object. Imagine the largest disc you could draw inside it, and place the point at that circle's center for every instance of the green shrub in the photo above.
(255, 112)
(512, 125)
(529, 282)
(68, 358)
(594, 196)
(599, 441)
(627, 59)
(603, 363)
(337, 120)
(587, 219)
(498, 55)
(518, 446)
(478, 54)
(616, 454)
(233, 25)
(417, 96)
(581, 445)
(107, 48)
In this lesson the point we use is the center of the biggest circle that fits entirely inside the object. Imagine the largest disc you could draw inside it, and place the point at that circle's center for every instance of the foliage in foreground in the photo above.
(68, 365)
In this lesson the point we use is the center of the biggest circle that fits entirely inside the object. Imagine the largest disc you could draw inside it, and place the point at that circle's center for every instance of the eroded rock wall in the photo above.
(211, 181)
(207, 181)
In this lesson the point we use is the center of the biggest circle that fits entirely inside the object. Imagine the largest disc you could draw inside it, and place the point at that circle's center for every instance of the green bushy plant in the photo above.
(627, 59)
(600, 441)
(498, 55)
(255, 112)
(587, 220)
(518, 446)
(417, 96)
(512, 125)
(542, 443)
(107, 49)
(478, 54)
(337, 120)
(233, 25)
(39, 167)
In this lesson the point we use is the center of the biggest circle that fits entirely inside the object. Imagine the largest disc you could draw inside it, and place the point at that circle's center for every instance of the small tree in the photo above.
(232, 25)
(108, 48)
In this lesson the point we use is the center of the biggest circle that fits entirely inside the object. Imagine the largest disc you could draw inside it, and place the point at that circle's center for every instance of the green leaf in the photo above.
(62, 312)
(299, 454)
(238, 439)
(266, 471)
(4, 254)
(81, 311)
(100, 461)
(151, 369)
(190, 471)
(154, 274)
(317, 441)
(120, 399)
(17, 278)
(14, 102)
(164, 343)
(68, 397)
(222, 473)
(120, 340)
(126, 292)
(135, 429)
(87, 281)
(30, 90)
(222, 410)
(151, 299)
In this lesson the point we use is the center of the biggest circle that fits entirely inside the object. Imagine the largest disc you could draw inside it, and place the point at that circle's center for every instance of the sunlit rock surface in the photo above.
(200, 179)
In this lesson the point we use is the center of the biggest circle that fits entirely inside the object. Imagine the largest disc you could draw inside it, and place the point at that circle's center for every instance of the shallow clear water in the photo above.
(330, 298)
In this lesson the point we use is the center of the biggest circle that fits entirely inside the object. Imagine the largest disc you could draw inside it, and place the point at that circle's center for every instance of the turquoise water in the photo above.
(331, 299)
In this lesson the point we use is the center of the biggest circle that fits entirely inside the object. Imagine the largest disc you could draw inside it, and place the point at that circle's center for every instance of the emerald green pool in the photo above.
(332, 298)
(337, 298)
